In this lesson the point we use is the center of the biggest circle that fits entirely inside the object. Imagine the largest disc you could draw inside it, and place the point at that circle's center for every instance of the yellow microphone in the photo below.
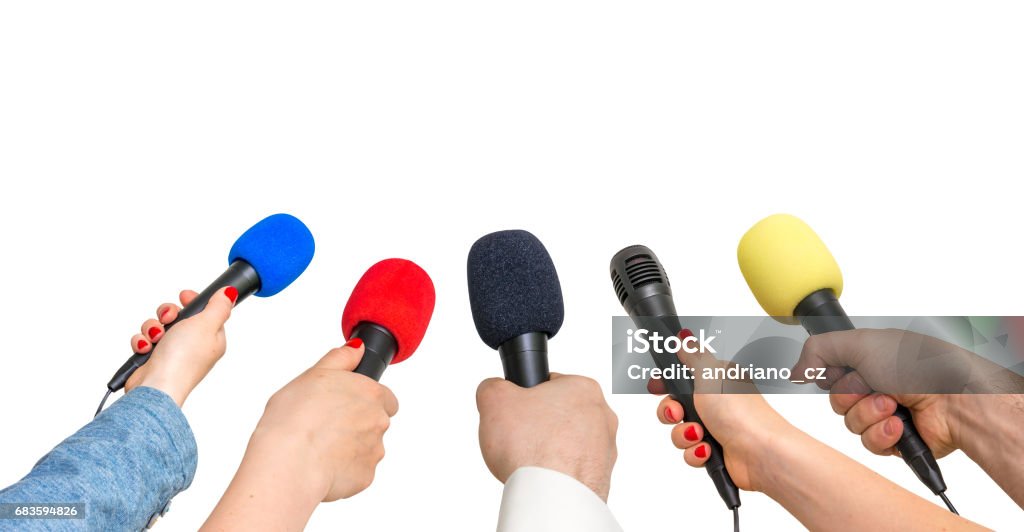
(796, 279)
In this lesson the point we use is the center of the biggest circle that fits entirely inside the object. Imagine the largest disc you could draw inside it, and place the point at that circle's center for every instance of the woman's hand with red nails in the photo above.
(765, 453)
(739, 418)
(186, 353)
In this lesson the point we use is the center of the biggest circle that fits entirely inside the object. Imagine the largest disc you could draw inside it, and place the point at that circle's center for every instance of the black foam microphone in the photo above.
(516, 301)
(643, 289)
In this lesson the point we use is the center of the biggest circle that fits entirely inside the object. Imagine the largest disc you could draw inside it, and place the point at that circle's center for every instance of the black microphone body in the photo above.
(240, 274)
(524, 359)
(821, 313)
(380, 347)
(642, 287)
(516, 301)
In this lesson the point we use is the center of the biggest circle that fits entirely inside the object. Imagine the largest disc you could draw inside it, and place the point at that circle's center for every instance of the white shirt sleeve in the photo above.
(541, 500)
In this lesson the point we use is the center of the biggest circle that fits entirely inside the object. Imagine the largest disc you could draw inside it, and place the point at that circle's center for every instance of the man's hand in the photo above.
(927, 375)
(564, 425)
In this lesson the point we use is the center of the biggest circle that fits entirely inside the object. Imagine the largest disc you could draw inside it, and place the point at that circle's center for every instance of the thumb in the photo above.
(489, 389)
(218, 308)
(345, 358)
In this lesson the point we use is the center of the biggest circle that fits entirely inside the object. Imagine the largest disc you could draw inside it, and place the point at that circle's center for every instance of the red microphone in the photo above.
(389, 310)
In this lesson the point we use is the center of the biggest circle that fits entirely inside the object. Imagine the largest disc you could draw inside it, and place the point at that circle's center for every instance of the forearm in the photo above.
(270, 491)
(827, 490)
(125, 465)
(987, 427)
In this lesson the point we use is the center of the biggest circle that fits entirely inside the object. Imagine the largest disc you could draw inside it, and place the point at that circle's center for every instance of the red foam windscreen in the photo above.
(397, 295)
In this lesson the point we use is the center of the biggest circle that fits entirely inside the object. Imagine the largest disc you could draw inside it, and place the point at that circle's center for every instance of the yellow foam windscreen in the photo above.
(784, 261)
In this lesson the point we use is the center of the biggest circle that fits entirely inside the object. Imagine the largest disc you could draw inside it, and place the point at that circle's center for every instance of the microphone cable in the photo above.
(948, 504)
(103, 402)
(736, 519)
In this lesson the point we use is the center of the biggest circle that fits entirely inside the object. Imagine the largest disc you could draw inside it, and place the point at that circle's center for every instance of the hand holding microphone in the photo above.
(746, 428)
(794, 277)
(189, 351)
(564, 425)
(532, 417)
(267, 258)
(321, 436)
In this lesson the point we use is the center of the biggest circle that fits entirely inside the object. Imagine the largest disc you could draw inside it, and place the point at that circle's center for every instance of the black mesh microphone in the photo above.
(642, 286)
(516, 301)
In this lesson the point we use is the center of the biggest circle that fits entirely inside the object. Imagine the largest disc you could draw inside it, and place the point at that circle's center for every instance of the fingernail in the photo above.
(154, 332)
(142, 345)
(685, 333)
(881, 403)
(889, 428)
(354, 343)
(701, 452)
(164, 313)
(690, 433)
(232, 294)
(669, 415)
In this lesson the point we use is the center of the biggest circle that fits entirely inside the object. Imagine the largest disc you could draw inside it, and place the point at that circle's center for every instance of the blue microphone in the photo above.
(262, 262)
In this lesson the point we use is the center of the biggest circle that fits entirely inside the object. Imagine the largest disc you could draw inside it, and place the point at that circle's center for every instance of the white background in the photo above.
(137, 140)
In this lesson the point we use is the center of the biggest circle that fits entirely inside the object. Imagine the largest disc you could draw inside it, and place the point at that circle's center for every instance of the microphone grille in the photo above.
(641, 269)
(513, 287)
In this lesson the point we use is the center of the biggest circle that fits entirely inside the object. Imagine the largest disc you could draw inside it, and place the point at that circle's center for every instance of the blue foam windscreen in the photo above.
(278, 247)
(513, 287)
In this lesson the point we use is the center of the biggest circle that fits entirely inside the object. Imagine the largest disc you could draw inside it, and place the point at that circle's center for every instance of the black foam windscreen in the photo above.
(513, 287)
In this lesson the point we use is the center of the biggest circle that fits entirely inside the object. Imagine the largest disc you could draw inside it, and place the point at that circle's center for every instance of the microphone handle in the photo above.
(525, 359)
(715, 466)
(239, 274)
(821, 313)
(682, 391)
(380, 347)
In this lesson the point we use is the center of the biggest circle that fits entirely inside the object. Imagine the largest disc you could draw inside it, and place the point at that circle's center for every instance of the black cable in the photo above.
(736, 519)
(103, 402)
(948, 504)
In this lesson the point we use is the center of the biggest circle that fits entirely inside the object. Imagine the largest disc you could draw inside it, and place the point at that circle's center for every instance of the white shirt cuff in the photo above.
(541, 500)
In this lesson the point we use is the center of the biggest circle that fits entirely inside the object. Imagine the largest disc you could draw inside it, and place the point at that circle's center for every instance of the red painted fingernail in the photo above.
(701, 452)
(154, 332)
(690, 433)
(354, 343)
(669, 415)
(142, 345)
(164, 313)
(685, 333)
(232, 294)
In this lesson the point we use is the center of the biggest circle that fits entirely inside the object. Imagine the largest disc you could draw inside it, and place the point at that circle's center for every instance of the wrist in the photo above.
(286, 456)
(976, 421)
(767, 446)
(583, 471)
(176, 391)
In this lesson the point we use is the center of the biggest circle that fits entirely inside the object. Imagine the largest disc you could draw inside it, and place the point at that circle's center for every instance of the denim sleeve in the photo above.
(124, 466)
